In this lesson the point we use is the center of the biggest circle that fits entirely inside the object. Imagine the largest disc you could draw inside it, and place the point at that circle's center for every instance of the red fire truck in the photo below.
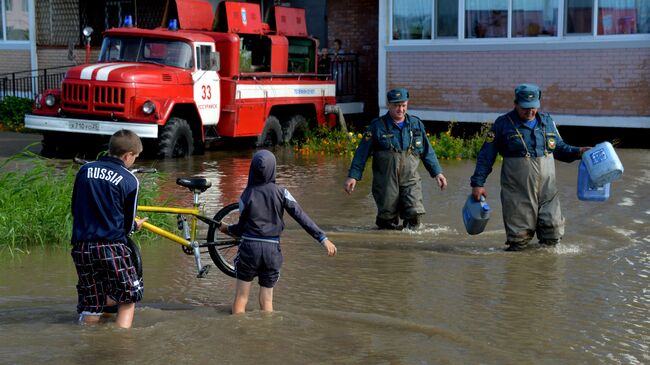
(206, 75)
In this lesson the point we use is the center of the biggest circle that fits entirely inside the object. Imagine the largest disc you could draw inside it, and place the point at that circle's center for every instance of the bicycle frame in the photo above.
(189, 240)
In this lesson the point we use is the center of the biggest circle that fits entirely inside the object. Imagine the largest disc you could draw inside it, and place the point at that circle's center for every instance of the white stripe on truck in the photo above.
(249, 91)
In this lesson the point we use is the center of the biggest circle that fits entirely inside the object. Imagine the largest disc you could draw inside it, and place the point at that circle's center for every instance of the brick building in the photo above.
(461, 59)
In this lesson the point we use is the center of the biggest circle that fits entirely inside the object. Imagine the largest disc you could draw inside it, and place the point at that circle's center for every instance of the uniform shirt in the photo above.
(104, 201)
(262, 205)
(507, 137)
(383, 134)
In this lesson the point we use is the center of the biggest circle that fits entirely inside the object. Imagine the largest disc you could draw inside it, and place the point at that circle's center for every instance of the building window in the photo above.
(486, 18)
(446, 18)
(534, 18)
(503, 20)
(623, 16)
(579, 15)
(412, 19)
(14, 23)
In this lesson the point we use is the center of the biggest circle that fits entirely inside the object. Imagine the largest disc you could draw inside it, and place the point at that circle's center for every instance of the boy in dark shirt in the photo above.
(261, 207)
(104, 202)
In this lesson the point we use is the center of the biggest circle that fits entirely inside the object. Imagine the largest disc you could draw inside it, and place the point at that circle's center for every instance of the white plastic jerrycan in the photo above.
(587, 190)
(475, 214)
(602, 164)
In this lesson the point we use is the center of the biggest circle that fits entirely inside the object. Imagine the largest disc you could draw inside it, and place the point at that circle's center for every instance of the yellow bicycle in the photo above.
(222, 249)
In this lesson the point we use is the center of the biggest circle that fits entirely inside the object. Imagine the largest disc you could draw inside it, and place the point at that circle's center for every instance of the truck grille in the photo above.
(76, 96)
(108, 98)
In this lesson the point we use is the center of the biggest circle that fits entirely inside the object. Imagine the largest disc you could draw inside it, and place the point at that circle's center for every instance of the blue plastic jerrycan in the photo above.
(602, 163)
(475, 214)
(587, 190)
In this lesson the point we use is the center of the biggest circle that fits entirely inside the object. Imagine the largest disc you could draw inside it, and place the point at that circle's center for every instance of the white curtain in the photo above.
(412, 19)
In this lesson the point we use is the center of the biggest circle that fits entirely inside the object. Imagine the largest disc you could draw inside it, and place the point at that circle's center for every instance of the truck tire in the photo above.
(49, 145)
(295, 128)
(271, 134)
(175, 139)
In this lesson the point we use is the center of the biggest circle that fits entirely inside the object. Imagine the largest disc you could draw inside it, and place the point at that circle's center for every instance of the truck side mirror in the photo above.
(215, 64)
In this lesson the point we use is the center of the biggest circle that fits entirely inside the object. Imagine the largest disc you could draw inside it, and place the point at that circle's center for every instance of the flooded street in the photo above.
(435, 296)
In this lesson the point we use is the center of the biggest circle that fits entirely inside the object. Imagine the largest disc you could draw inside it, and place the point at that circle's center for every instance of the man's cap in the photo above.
(397, 95)
(528, 95)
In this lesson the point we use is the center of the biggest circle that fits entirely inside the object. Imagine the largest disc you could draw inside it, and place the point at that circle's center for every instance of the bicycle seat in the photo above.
(200, 184)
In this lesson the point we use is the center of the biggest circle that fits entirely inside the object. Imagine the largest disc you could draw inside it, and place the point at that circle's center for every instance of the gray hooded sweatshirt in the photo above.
(262, 205)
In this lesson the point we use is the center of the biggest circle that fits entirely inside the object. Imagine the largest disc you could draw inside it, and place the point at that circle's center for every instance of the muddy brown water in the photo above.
(436, 296)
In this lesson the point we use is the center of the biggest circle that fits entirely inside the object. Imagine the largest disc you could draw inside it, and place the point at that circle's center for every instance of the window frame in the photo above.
(12, 44)
(562, 37)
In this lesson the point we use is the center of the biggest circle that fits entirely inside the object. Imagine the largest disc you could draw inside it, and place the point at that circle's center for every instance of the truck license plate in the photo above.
(84, 126)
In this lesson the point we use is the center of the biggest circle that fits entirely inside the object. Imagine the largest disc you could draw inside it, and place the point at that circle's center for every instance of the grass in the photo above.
(35, 199)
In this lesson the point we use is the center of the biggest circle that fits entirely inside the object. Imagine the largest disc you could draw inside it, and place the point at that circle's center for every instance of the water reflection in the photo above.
(426, 297)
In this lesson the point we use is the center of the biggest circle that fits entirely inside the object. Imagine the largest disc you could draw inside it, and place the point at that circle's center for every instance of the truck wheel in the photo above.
(175, 139)
(295, 128)
(48, 145)
(271, 134)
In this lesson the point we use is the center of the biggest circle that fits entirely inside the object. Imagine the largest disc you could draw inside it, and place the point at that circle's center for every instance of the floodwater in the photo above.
(437, 296)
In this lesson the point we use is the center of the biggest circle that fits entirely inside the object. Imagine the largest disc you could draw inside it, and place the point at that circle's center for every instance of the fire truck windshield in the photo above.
(147, 50)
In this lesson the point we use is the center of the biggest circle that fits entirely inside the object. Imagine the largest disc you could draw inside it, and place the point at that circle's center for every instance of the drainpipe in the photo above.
(32, 46)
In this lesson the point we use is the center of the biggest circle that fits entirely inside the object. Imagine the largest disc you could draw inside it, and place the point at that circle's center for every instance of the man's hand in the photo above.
(442, 181)
(583, 150)
(349, 185)
(478, 191)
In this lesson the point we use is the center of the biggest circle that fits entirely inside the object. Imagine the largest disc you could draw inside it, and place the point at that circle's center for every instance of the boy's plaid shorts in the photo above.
(105, 269)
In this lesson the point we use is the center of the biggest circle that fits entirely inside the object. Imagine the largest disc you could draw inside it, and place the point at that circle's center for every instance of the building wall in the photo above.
(14, 61)
(585, 82)
(49, 57)
(57, 23)
(356, 23)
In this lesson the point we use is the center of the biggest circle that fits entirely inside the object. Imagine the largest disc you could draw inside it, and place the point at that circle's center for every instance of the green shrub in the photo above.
(330, 141)
(12, 112)
(449, 147)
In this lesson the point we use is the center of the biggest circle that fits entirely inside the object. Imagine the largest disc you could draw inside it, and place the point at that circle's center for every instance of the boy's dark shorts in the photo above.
(105, 269)
(256, 258)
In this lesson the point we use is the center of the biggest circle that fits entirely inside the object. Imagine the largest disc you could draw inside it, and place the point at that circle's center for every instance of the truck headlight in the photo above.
(148, 107)
(50, 100)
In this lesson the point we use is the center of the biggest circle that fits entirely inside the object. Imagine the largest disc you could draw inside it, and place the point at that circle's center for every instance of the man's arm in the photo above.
(486, 157)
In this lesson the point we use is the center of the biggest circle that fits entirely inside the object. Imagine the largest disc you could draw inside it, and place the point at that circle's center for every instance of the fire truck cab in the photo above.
(205, 75)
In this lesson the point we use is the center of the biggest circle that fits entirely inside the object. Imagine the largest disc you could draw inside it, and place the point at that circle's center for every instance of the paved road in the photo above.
(12, 143)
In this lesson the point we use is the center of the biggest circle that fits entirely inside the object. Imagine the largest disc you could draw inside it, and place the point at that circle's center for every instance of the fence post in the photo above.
(47, 86)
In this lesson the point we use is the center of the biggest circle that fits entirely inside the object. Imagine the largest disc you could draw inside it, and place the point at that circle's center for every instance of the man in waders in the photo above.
(529, 142)
(397, 141)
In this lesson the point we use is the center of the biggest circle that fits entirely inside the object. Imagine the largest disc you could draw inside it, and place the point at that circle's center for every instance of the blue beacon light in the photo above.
(128, 21)
(173, 24)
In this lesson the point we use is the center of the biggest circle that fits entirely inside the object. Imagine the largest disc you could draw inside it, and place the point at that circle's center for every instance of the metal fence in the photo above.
(28, 84)
(344, 68)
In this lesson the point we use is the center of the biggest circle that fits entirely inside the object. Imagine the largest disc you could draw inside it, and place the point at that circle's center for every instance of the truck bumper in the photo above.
(87, 126)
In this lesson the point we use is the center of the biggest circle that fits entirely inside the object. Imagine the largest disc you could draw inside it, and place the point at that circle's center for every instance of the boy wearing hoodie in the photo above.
(261, 207)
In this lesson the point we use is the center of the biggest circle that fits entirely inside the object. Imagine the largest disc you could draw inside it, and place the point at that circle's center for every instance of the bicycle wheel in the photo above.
(224, 252)
(136, 258)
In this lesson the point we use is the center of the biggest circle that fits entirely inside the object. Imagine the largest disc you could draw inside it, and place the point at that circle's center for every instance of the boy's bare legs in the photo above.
(266, 299)
(242, 290)
(125, 312)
